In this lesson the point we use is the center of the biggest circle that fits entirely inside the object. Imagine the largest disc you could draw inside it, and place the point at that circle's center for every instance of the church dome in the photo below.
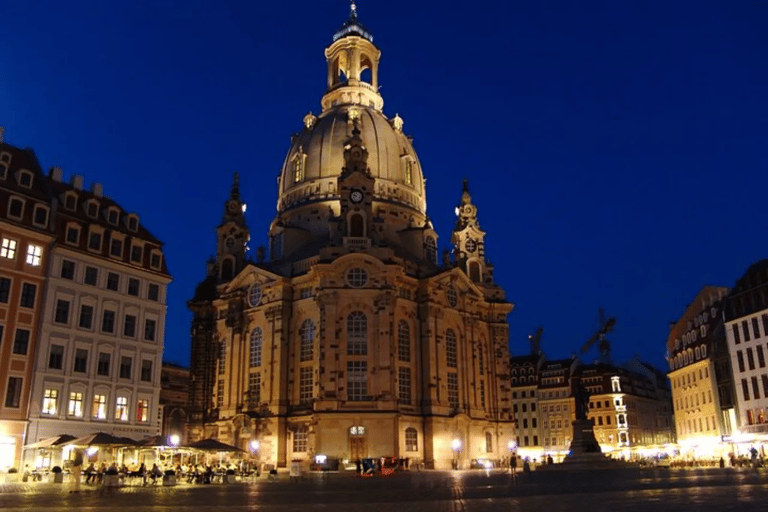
(316, 158)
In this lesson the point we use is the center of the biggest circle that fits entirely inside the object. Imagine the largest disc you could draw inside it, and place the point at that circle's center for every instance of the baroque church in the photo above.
(349, 337)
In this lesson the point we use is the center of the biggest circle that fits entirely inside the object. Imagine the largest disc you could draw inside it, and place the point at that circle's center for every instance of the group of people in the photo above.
(94, 475)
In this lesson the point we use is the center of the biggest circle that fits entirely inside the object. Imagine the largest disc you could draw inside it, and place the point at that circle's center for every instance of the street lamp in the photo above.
(254, 445)
(512, 458)
(456, 445)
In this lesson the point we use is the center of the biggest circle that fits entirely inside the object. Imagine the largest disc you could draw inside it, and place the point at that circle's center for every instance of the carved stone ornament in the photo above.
(397, 123)
(310, 120)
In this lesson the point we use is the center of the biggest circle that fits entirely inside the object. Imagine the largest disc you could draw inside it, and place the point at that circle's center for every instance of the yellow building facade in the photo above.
(347, 338)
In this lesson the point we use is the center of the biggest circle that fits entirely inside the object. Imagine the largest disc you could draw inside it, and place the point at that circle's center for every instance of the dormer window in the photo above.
(136, 253)
(3, 170)
(298, 166)
(133, 222)
(25, 179)
(155, 260)
(92, 209)
(70, 201)
(73, 234)
(94, 240)
(113, 216)
(15, 208)
(40, 217)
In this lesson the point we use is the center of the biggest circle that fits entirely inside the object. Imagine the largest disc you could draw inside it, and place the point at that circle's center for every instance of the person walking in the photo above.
(77, 465)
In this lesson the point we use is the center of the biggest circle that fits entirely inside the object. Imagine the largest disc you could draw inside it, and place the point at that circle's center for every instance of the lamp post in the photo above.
(456, 446)
(254, 446)
(512, 457)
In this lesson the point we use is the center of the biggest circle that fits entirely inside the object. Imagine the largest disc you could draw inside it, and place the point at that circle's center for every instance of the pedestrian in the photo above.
(513, 464)
(77, 464)
(90, 473)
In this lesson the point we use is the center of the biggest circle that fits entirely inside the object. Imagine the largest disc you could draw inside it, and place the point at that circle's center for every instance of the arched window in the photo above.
(298, 168)
(408, 171)
(430, 249)
(256, 337)
(450, 348)
(403, 342)
(356, 225)
(480, 362)
(226, 270)
(488, 442)
(357, 334)
(307, 335)
(300, 439)
(474, 271)
(411, 440)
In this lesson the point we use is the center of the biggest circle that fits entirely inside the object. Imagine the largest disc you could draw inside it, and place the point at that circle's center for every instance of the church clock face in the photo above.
(356, 196)
(471, 245)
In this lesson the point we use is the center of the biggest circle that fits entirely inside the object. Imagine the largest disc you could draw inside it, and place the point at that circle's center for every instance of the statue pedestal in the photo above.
(584, 442)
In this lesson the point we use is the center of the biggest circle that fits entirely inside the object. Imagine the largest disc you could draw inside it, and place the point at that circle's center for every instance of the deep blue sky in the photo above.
(616, 150)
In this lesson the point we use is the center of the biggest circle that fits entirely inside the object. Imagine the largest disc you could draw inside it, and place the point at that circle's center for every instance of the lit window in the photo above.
(142, 411)
(254, 295)
(404, 385)
(409, 172)
(298, 168)
(450, 348)
(452, 296)
(75, 404)
(488, 442)
(306, 385)
(8, 249)
(50, 401)
(357, 334)
(254, 389)
(34, 255)
(300, 440)
(357, 380)
(99, 410)
(403, 342)
(453, 390)
(411, 440)
(121, 409)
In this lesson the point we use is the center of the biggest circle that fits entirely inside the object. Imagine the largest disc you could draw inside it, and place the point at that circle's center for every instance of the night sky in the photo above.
(616, 150)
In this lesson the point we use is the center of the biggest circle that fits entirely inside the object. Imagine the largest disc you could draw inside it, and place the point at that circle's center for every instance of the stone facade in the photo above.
(349, 339)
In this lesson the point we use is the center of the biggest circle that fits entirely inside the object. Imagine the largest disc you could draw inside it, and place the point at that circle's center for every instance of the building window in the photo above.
(300, 440)
(482, 395)
(91, 276)
(8, 249)
(61, 316)
(25, 179)
(155, 260)
(15, 208)
(357, 277)
(755, 328)
(116, 248)
(5, 289)
(153, 292)
(102, 367)
(254, 295)
(488, 442)
(256, 338)
(146, 370)
(480, 360)
(108, 321)
(411, 440)
(133, 223)
(357, 334)
(430, 249)
(142, 411)
(306, 385)
(254, 389)
(50, 401)
(86, 316)
(113, 216)
(750, 359)
(149, 329)
(220, 394)
(93, 209)
(13, 393)
(94, 241)
(298, 168)
(453, 390)
(21, 342)
(357, 380)
(403, 341)
(740, 359)
(736, 338)
(745, 389)
(129, 326)
(126, 362)
(73, 235)
(40, 216)
(99, 409)
(75, 404)
(760, 356)
(28, 292)
(452, 296)
(307, 335)
(67, 269)
(408, 171)
(81, 360)
(136, 252)
(404, 385)
(34, 255)
(755, 389)
(450, 348)
(121, 409)
(56, 357)
(113, 281)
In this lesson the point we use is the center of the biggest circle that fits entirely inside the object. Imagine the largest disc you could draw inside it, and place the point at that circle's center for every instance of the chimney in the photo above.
(98, 189)
(77, 181)
(55, 173)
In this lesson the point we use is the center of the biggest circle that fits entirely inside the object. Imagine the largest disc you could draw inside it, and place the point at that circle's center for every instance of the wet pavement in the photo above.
(657, 490)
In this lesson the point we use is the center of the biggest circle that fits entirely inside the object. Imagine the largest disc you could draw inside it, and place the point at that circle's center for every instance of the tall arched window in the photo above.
(223, 357)
(356, 225)
(307, 335)
(488, 442)
(357, 334)
(403, 342)
(411, 440)
(430, 249)
(450, 348)
(256, 338)
(474, 271)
